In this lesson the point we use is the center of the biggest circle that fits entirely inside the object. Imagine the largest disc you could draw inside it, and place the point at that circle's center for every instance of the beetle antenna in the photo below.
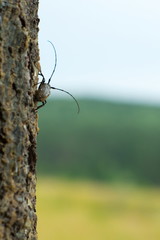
(70, 95)
(55, 62)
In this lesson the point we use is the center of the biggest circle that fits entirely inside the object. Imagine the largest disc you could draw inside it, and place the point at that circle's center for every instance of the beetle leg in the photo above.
(43, 103)
(41, 74)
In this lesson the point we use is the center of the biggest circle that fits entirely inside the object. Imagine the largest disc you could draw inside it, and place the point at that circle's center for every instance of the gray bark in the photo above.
(19, 68)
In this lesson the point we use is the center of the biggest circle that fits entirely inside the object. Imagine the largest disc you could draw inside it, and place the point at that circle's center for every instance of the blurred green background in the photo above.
(98, 172)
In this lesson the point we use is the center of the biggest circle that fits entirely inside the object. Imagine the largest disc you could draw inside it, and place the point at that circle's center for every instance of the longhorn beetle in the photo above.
(43, 90)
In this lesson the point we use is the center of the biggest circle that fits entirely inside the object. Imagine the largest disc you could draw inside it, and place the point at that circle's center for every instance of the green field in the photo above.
(105, 142)
(98, 172)
(80, 210)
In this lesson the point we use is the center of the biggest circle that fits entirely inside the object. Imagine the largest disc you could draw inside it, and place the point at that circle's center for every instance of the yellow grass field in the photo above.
(81, 210)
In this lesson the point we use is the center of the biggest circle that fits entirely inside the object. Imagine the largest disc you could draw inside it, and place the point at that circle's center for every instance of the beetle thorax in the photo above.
(43, 92)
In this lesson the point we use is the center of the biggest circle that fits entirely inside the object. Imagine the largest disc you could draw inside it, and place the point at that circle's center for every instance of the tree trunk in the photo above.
(19, 69)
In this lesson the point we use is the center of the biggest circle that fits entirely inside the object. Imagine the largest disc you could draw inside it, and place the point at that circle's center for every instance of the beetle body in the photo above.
(44, 89)
(43, 92)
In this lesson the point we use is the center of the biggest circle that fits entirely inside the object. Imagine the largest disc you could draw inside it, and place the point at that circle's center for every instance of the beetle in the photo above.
(44, 89)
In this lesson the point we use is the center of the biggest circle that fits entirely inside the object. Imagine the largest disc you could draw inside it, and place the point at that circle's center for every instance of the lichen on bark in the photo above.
(19, 67)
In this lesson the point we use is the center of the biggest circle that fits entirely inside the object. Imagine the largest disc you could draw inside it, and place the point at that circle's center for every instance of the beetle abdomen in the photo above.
(43, 92)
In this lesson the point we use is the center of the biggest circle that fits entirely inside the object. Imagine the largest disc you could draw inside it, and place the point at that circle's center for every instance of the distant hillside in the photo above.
(106, 141)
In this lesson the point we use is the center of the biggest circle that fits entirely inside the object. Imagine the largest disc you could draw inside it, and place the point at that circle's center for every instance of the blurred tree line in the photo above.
(106, 141)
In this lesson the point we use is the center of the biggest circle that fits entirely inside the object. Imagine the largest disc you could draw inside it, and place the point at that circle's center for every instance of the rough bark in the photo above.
(19, 68)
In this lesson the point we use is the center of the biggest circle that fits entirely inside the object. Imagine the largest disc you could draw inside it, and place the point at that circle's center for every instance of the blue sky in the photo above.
(106, 49)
